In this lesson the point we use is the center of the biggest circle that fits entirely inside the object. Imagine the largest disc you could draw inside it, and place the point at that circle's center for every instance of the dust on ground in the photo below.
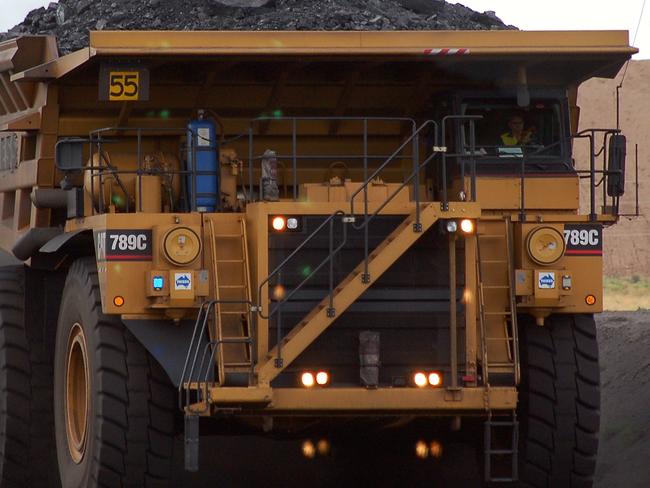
(624, 453)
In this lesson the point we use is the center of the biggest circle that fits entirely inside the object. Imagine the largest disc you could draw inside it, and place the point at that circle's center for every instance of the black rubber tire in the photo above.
(131, 408)
(559, 402)
(26, 432)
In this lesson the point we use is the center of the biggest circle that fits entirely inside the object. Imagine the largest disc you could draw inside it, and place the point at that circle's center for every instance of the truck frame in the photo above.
(293, 230)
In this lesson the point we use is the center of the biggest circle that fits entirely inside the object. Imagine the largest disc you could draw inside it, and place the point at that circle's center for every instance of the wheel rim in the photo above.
(76, 393)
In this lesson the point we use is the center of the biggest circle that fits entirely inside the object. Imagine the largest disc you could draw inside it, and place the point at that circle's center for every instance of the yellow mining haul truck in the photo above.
(296, 231)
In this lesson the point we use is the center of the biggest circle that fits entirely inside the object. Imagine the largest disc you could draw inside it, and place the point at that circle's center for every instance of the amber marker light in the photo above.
(278, 223)
(421, 450)
(322, 378)
(307, 379)
(435, 379)
(420, 379)
(118, 301)
(467, 226)
(435, 449)
(308, 449)
(590, 300)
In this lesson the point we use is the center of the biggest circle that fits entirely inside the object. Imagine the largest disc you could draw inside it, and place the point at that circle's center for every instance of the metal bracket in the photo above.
(349, 219)
(278, 362)
(256, 308)
(454, 395)
(365, 278)
(444, 207)
(439, 149)
(417, 227)
(191, 442)
(331, 312)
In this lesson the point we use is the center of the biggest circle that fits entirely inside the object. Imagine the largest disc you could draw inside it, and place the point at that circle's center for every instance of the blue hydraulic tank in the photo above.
(203, 163)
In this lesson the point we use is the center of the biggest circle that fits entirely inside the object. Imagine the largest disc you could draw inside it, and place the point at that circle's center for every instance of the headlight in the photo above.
(545, 245)
(181, 246)
(451, 226)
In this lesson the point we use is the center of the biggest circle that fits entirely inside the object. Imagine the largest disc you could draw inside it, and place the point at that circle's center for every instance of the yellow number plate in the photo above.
(124, 85)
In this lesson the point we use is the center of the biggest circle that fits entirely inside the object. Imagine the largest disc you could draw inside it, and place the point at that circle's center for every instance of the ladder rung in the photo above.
(233, 312)
(232, 286)
(494, 261)
(492, 236)
(500, 365)
(496, 287)
(493, 452)
(236, 365)
(230, 260)
(497, 313)
(499, 338)
(235, 340)
(228, 236)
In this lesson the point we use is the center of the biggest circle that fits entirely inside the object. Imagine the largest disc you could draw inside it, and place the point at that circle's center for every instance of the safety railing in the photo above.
(345, 220)
(100, 168)
(295, 156)
(196, 375)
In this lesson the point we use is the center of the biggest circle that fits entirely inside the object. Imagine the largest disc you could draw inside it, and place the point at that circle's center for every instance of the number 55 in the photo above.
(124, 85)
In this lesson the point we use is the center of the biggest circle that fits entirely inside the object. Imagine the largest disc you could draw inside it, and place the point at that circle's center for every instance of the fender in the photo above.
(168, 343)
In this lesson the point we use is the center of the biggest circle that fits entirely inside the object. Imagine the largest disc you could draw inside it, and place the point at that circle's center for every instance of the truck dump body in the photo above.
(303, 226)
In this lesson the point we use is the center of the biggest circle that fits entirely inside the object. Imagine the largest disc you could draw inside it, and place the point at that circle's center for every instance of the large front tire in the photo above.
(559, 402)
(114, 416)
(26, 434)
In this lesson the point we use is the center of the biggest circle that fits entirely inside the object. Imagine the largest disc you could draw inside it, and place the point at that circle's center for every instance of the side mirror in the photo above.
(616, 165)
(69, 155)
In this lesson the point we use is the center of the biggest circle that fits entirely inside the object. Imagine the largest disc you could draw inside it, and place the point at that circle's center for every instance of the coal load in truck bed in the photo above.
(71, 20)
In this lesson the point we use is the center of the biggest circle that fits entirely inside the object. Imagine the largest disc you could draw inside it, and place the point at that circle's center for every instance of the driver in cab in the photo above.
(517, 134)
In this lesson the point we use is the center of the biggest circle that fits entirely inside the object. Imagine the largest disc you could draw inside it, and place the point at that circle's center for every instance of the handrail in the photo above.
(192, 357)
(278, 268)
(346, 219)
(294, 143)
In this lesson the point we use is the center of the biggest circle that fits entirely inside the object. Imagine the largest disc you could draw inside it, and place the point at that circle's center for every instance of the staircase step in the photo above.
(348, 291)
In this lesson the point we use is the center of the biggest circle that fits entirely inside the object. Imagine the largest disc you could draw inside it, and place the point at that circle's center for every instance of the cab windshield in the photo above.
(507, 131)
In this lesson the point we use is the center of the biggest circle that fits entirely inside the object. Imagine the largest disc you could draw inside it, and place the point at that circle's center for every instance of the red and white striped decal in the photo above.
(447, 51)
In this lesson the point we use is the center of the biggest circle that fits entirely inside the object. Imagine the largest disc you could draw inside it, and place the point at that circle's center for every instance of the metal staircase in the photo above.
(349, 290)
(501, 450)
(497, 301)
(232, 312)
(499, 342)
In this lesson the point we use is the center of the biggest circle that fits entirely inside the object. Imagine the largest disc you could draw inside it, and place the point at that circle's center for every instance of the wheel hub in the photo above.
(77, 393)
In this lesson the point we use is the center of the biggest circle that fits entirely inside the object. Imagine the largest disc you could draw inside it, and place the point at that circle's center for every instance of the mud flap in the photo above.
(191, 442)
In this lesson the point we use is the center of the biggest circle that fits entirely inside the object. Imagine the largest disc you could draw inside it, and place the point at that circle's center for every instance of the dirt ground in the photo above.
(624, 455)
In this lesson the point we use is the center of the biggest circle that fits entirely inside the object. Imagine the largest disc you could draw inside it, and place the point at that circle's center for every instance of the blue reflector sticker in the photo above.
(158, 283)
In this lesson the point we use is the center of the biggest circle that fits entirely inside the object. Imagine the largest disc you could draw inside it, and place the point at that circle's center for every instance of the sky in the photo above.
(525, 14)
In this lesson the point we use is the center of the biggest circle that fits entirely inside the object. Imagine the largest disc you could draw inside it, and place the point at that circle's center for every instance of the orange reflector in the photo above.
(307, 379)
(322, 378)
(118, 301)
(590, 300)
(435, 379)
(278, 223)
(420, 379)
